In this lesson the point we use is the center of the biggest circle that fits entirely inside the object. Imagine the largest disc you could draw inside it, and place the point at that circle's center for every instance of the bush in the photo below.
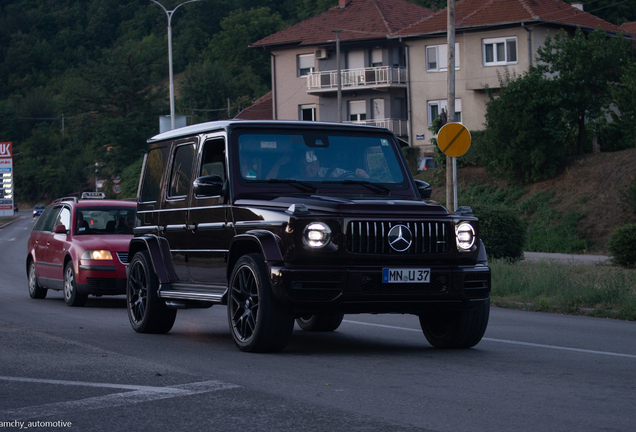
(502, 231)
(412, 154)
(621, 245)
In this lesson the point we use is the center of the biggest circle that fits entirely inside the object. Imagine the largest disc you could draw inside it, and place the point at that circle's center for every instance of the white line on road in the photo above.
(140, 394)
(509, 341)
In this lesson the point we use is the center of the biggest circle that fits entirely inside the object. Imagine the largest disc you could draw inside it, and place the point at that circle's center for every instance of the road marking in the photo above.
(555, 347)
(139, 394)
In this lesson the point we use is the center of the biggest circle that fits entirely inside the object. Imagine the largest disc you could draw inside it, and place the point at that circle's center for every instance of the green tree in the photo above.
(583, 70)
(525, 130)
(117, 101)
(248, 68)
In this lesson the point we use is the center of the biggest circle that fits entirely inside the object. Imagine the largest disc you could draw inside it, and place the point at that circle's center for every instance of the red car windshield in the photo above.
(105, 220)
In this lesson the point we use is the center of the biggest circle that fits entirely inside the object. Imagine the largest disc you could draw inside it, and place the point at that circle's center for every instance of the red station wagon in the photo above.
(81, 247)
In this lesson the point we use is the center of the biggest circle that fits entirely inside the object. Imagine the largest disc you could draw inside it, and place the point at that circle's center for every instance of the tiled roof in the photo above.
(359, 20)
(262, 109)
(480, 13)
(629, 27)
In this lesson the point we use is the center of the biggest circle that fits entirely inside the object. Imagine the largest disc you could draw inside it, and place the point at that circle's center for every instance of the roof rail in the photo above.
(70, 198)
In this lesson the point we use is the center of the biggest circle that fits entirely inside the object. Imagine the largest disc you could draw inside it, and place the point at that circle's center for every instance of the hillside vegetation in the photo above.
(592, 187)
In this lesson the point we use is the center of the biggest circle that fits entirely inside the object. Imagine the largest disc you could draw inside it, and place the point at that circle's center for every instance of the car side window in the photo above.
(213, 161)
(181, 172)
(155, 165)
(49, 223)
(64, 218)
(39, 225)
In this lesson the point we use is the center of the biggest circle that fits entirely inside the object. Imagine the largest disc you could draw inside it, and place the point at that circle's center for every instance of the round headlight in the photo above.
(97, 255)
(317, 235)
(465, 236)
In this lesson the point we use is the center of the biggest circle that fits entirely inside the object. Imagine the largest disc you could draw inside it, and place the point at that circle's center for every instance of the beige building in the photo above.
(393, 60)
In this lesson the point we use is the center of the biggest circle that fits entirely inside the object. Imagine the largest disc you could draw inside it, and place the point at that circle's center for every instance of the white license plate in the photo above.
(406, 275)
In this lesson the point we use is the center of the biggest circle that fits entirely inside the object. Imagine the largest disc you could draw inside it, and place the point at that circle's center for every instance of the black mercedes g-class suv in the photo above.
(303, 221)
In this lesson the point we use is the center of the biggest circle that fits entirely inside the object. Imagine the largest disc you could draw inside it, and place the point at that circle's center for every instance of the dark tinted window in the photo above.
(155, 165)
(181, 173)
(42, 218)
(213, 161)
(49, 222)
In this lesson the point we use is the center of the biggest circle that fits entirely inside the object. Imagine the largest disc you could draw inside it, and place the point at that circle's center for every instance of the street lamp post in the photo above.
(169, 14)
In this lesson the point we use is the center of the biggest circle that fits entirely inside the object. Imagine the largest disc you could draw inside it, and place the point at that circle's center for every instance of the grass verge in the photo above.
(6, 220)
(601, 291)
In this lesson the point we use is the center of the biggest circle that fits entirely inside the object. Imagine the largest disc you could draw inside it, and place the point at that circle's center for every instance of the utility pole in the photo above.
(169, 15)
(451, 163)
(338, 77)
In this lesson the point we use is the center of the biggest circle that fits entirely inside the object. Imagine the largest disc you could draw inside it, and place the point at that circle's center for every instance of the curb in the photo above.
(10, 222)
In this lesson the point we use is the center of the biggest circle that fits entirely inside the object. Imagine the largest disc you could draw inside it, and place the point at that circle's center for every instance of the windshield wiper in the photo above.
(366, 183)
(296, 183)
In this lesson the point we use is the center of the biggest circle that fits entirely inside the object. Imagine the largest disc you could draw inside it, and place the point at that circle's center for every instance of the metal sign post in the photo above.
(454, 140)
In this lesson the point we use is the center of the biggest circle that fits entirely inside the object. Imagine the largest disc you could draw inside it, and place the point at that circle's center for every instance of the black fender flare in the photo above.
(159, 251)
(482, 257)
(255, 241)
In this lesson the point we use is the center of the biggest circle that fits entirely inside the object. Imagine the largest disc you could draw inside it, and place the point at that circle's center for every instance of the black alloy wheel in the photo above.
(258, 322)
(146, 311)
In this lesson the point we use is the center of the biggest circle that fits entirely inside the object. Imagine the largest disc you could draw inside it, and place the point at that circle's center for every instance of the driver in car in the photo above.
(309, 168)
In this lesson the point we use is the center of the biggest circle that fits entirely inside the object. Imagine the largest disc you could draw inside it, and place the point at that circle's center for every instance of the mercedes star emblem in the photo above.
(400, 238)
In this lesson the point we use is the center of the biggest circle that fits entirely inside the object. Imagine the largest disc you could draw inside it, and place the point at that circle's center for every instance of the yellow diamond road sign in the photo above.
(453, 139)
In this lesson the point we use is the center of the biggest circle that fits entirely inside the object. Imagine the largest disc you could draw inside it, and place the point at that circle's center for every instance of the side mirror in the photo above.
(59, 229)
(208, 186)
(423, 188)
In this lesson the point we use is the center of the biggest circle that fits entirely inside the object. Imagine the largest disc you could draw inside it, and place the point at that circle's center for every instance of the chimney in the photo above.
(578, 5)
(343, 3)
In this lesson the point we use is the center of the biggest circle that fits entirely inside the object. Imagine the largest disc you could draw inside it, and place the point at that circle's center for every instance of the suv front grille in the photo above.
(372, 237)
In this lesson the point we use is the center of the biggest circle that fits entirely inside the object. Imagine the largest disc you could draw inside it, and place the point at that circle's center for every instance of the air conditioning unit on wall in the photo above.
(321, 54)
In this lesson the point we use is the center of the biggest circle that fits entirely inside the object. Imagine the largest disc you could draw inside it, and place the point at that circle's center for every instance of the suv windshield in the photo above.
(324, 158)
(105, 220)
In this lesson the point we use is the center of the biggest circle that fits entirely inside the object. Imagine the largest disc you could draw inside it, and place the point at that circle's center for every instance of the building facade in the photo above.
(393, 60)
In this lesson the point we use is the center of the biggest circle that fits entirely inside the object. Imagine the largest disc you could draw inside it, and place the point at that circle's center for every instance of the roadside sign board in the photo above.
(453, 139)
(6, 179)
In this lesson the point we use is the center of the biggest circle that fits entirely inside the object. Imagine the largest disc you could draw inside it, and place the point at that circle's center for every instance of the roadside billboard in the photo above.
(6, 173)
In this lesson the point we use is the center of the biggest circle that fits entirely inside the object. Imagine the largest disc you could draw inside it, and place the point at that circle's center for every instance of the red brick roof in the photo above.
(262, 109)
(358, 20)
(629, 27)
(481, 13)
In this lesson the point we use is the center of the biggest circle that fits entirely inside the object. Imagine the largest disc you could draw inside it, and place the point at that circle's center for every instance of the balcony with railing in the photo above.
(356, 79)
(399, 127)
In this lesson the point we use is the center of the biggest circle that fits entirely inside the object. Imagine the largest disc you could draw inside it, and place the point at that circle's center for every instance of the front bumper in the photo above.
(361, 290)
(101, 277)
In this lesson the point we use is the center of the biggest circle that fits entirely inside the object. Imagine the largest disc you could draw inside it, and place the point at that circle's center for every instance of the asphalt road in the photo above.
(86, 369)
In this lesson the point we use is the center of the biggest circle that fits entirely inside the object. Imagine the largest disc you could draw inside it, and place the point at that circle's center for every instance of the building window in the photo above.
(435, 109)
(307, 112)
(357, 111)
(437, 58)
(499, 51)
(305, 64)
(376, 57)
